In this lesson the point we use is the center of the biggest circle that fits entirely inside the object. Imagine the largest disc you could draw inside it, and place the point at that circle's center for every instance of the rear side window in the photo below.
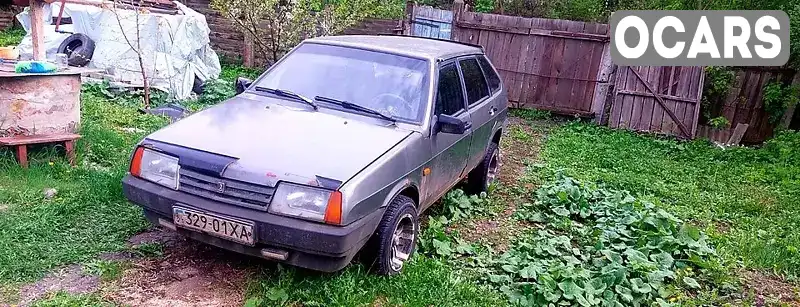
(491, 76)
(449, 95)
(474, 80)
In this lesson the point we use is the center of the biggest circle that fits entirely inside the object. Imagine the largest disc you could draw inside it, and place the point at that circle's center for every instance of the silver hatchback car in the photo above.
(336, 149)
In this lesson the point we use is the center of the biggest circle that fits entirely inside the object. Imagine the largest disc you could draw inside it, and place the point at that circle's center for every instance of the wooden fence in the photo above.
(6, 19)
(745, 105)
(545, 63)
(658, 99)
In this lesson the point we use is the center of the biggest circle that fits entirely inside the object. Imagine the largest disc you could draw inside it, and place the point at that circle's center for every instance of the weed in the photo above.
(602, 247)
(232, 71)
(458, 205)
(530, 114)
(151, 249)
(743, 197)
(63, 299)
(106, 269)
(719, 122)
(778, 98)
(11, 36)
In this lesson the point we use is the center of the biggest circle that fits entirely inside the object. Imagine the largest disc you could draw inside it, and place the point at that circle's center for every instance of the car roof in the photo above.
(419, 47)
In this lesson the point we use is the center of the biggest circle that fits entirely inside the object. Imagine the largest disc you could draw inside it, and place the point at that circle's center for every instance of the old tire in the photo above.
(480, 178)
(79, 49)
(198, 86)
(395, 239)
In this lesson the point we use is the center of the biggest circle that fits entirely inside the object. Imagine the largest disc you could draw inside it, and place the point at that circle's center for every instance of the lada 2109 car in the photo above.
(335, 149)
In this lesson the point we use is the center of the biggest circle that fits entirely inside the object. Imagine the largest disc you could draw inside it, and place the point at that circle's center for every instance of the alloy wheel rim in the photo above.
(494, 166)
(402, 242)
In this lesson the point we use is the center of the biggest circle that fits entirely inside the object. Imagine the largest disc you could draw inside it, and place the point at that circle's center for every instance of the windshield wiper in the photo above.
(287, 94)
(353, 106)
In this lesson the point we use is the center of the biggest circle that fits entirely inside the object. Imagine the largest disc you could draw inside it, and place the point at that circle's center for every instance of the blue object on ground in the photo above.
(35, 67)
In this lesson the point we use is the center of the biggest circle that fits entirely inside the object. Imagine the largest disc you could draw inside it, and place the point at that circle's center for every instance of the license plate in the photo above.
(226, 228)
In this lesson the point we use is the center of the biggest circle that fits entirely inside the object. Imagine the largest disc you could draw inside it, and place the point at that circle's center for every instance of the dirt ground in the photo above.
(520, 147)
(188, 274)
(768, 289)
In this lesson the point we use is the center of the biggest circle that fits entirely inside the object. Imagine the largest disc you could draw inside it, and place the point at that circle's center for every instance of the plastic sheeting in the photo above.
(174, 48)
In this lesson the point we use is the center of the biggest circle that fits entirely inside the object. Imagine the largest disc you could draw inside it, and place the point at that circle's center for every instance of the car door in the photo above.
(481, 108)
(450, 151)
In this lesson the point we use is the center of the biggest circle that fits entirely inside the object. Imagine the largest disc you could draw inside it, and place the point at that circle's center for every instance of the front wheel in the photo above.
(480, 178)
(395, 238)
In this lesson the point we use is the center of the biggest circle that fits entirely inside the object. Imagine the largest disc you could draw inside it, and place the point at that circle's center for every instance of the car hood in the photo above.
(261, 141)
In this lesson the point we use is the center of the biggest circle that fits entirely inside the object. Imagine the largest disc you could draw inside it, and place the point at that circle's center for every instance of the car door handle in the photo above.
(467, 125)
(492, 110)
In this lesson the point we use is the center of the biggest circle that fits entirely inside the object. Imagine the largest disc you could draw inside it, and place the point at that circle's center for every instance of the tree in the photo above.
(136, 46)
(278, 25)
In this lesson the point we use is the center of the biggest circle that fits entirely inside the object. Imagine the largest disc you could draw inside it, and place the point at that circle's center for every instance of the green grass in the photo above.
(530, 114)
(745, 197)
(11, 36)
(424, 282)
(89, 215)
(62, 299)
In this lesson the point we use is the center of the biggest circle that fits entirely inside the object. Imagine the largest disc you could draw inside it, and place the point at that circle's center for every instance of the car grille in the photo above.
(234, 192)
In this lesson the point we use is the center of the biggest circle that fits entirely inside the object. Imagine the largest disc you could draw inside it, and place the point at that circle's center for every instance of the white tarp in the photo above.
(174, 48)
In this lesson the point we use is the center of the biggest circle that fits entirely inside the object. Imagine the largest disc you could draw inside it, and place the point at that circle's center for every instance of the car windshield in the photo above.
(393, 85)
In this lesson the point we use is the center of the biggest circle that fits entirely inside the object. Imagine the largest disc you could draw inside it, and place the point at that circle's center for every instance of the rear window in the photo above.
(473, 80)
(491, 76)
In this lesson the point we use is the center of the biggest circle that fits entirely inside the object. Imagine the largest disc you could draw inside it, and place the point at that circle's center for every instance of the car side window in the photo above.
(474, 80)
(491, 76)
(449, 95)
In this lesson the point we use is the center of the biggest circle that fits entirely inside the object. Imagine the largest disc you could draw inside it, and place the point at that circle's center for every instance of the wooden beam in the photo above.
(408, 26)
(738, 133)
(670, 97)
(661, 102)
(37, 29)
(788, 115)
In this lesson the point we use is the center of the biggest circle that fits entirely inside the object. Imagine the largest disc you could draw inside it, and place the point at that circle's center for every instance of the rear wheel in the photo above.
(395, 239)
(480, 178)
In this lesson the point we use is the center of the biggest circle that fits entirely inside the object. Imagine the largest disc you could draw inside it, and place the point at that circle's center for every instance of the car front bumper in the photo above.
(302, 243)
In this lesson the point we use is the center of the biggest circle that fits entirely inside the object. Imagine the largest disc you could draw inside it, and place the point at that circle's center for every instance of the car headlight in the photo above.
(156, 167)
(308, 203)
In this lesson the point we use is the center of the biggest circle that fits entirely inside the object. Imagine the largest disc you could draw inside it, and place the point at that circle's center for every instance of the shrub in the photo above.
(778, 98)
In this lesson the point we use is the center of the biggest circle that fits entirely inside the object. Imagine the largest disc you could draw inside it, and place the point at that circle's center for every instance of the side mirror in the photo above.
(452, 125)
(242, 84)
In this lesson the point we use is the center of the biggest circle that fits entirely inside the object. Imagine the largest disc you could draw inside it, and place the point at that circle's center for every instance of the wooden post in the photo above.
(408, 25)
(786, 120)
(247, 53)
(604, 84)
(37, 29)
(69, 146)
(458, 8)
(22, 155)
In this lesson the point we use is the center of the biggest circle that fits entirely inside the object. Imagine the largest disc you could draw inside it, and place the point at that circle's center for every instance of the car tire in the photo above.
(480, 178)
(79, 49)
(198, 86)
(395, 239)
